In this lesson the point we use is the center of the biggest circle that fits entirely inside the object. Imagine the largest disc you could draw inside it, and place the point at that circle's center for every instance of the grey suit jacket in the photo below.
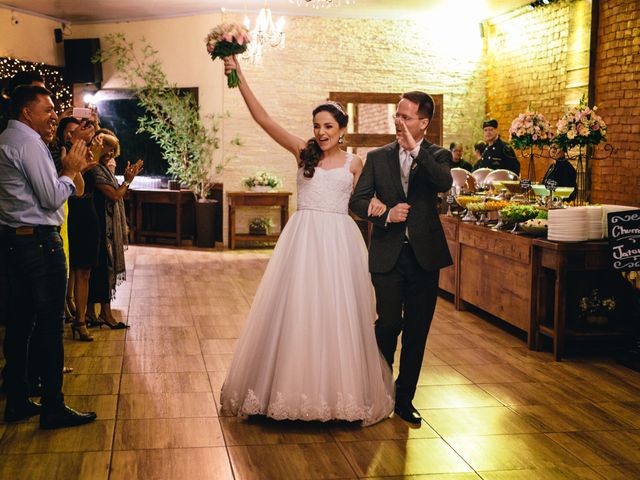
(429, 175)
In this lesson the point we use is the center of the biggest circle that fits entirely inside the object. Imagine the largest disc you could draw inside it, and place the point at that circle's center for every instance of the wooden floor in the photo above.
(492, 409)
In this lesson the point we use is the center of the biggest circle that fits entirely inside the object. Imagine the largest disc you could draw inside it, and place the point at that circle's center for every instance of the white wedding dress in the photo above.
(308, 350)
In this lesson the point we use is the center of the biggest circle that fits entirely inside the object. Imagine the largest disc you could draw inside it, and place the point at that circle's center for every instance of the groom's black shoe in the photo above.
(407, 412)
(64, 416)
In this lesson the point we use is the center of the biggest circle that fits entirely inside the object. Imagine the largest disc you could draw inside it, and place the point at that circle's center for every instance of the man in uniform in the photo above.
(498, 154)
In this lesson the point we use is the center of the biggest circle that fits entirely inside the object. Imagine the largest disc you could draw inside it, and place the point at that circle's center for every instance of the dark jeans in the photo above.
(405, 301)
(37, 280)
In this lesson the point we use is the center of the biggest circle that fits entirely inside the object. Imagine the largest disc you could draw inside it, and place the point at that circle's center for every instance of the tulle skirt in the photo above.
(308, 351)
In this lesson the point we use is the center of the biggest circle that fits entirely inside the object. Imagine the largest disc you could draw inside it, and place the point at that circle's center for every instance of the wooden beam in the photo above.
(364, 97)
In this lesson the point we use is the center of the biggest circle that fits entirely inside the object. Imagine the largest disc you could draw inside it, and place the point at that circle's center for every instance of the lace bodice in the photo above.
(328, 190)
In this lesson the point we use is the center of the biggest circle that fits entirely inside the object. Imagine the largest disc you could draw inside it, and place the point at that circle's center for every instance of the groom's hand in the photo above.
(403, 136)
(399, 213)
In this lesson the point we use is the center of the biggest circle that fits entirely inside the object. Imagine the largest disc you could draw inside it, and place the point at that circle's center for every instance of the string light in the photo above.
(53, 78)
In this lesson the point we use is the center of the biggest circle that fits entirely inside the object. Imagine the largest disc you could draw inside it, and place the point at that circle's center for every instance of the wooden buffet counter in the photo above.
(521, 280)
(496, 273)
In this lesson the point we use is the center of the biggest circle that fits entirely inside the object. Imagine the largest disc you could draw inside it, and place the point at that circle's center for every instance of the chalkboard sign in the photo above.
(624, 239)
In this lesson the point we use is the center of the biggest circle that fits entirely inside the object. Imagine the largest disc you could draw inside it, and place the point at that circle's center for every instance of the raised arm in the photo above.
(285, 139)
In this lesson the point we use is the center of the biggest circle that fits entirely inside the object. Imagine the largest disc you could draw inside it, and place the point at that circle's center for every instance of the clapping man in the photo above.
(32, 195)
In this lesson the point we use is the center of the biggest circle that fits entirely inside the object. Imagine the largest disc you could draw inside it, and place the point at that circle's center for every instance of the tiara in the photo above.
(337, 105)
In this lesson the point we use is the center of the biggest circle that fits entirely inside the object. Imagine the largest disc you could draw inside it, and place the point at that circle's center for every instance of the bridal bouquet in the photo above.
(530, 129)
(580, 126)
(225, 40)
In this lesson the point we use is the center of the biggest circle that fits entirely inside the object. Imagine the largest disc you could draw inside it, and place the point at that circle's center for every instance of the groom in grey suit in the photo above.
(408, 247)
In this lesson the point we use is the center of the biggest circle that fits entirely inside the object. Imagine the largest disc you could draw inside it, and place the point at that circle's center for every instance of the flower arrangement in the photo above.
(262, 179)
(594, 305)
(225, 40)
(260, 225)
(580, 126)
(530, 129)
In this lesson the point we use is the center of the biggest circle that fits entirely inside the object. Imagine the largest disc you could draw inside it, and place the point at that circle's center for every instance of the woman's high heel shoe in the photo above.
(81, 330)
(113, 326)
(92, 321)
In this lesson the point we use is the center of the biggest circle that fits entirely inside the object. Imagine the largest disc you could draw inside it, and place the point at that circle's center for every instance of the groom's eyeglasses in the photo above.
(406, 118)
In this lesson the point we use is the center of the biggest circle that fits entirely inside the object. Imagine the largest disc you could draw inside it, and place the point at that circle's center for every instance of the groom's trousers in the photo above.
(405, 301)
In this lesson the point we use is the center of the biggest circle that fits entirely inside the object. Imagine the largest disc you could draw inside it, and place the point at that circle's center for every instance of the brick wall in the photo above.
(529, 55)
(617, 81)
(541, 57)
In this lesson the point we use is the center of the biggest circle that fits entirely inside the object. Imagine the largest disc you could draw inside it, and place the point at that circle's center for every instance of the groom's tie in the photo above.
(405, 166)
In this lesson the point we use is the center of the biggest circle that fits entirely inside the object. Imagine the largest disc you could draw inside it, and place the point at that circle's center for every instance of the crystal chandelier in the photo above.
(322, 3)
(264, 33)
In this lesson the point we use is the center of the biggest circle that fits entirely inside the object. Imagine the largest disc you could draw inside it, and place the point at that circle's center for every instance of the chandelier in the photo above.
(322, 3)
(264, 33)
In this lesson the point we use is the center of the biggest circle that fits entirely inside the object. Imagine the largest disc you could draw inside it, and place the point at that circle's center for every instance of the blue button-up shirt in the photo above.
(31, 193)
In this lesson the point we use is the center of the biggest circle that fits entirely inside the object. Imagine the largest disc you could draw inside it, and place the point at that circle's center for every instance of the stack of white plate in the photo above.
(568, 225)
(594, 222)
(612, 208)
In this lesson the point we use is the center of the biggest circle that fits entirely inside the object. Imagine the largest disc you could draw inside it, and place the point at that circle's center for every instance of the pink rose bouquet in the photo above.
(530, 129)
(580, 126)
(225, 40)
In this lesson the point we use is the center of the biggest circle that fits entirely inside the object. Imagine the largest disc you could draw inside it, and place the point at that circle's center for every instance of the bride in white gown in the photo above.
(308, 350)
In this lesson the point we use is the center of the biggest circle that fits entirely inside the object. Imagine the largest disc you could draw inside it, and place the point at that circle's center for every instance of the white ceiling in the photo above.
(99, 11)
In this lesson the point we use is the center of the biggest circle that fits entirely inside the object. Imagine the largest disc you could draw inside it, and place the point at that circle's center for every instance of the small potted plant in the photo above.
(260, 226)
(262, 182)
(596, 310)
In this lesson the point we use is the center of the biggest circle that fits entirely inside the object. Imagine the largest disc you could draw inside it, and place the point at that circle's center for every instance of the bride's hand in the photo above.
(230, 63)
(376, 208)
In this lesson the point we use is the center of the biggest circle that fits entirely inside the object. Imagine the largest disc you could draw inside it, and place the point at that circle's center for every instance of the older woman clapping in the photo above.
(108, 199)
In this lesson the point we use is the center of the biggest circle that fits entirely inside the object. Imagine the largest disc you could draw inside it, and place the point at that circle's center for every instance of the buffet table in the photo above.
(521, 279)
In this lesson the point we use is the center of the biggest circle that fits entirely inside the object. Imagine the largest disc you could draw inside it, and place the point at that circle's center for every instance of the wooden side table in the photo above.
(256, 199)
(179, 198)
(554, 262)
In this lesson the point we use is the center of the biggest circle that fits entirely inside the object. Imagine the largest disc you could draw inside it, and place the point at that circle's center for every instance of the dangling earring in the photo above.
(340, 139)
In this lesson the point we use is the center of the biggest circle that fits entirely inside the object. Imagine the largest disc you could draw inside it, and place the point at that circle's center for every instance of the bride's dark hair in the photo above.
(311, 155)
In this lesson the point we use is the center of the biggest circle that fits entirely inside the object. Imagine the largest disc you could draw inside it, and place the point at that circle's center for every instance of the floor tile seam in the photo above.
(491, 472)
(61, 452)
(465, 376)
(113, 435)
(604, 430)
(630, 425)
(477, 472)
(342, 451)
(452, 448)
(567, 450)
(213, 398)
